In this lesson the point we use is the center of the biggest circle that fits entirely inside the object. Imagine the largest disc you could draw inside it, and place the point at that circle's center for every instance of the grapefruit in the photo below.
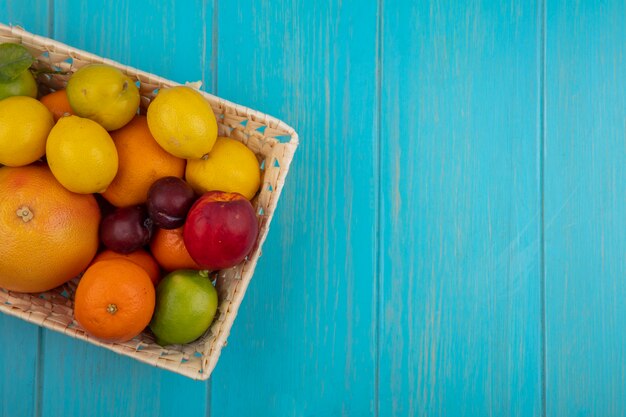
(48, 235)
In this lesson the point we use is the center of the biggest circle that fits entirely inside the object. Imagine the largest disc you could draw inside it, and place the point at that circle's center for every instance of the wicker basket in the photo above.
(273, 142)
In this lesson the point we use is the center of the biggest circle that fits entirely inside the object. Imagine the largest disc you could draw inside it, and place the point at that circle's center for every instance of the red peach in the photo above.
(220, 229)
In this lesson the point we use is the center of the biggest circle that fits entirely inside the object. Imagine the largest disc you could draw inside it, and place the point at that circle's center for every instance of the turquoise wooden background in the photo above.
(452, 237)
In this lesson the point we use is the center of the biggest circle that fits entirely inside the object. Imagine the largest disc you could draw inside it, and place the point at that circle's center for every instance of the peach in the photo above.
(220, 230)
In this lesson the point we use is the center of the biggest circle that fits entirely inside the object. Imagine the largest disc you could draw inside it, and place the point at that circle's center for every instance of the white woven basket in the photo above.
(273, 142)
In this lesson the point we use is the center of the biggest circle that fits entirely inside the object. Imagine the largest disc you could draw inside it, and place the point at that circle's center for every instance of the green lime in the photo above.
(23, 85)
(186, 303)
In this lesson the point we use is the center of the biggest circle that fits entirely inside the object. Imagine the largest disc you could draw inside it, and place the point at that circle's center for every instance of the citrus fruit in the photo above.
(114, 300)
(169, 250)
(186, 303)
(81, 155)
(140, 257)
(57, 103)
(104, 94)
(230, 166)
(24, 127)
(48, 235)
(182, 122)
(141, 162)
(23, 85)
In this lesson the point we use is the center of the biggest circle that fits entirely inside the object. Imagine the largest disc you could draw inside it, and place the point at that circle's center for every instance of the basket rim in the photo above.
(242, 110)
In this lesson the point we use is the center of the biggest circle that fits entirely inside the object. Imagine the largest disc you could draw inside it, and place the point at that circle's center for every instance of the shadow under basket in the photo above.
(271, 140)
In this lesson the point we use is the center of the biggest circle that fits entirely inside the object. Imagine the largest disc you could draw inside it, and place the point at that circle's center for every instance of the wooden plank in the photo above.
(585, 208)
(460, 293)
(172, 40)
(85, 380)
(32, 15)
(169, 38)
(304, 340)
(18, 361)
(19, 341)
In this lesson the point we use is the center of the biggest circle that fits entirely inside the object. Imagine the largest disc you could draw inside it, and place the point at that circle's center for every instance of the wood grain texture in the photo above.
(80, 379)
(170, 38)
(174, 41)
(18, 361)
(585, 226)
(304, 341)
(32, 15)
(19, 341)
(460, 189)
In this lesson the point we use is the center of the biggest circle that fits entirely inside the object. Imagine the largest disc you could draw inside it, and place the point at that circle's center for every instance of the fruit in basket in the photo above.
(141, 162)
(182, 122)
(81, 155)
(15, 78)
(140, 257)
(230, 166)
(58, 104)
(104, 94)
(23, 85)
(169, 250)
(115, 300)
(169, 201)
(126, 229)
(186, 303)
(220, 230)
(24, 127)
(48, 235)
(105, 207)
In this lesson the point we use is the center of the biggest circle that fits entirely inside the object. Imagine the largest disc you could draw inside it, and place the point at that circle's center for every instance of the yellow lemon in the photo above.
(182, 122)
(81, 155)
(103, 94)
(24, 127)
(230, 166)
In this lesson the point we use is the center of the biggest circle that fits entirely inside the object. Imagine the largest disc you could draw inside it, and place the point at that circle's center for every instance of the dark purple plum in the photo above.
(169, 201)
(105, 206)
(126, 229)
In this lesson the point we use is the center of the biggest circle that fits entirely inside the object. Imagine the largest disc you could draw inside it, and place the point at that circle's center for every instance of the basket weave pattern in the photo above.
(272, 141)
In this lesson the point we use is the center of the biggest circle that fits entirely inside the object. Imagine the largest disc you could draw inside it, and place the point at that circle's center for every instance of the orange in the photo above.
(141, 162)
(140, 257)
(57, 103)
(48, 234)
(114, 300)
(168, 248)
